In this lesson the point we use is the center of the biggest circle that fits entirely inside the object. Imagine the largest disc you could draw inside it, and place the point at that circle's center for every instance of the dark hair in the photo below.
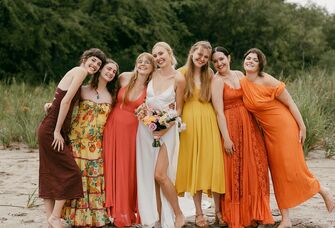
(112, 86)
(261, 58)
(93, 52)
(220, 49)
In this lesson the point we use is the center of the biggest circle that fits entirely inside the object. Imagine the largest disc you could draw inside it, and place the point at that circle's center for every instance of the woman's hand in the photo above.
(302, 135)
(229, 146)
(47, 107)
(160, 133)
(58, 142)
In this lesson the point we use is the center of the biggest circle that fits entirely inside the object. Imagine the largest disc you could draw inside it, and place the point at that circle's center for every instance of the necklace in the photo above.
(98, 95)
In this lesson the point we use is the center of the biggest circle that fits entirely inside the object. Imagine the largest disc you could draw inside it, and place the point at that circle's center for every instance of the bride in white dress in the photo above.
(156, 166)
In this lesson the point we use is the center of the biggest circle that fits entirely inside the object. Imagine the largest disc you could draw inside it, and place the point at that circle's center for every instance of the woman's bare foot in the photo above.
(328, 198)
(55, 222)
(179, 221)
(285, 224)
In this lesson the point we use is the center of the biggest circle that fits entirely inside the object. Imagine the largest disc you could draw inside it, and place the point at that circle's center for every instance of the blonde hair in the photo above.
(134, 77)
(205, 77)
(168, 48)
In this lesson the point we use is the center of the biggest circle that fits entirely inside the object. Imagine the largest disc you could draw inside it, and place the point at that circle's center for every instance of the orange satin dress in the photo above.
(247, 197)
(119, 147)
(292, 181)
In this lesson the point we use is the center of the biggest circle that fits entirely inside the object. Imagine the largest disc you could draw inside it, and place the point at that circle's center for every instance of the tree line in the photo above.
(42, 39)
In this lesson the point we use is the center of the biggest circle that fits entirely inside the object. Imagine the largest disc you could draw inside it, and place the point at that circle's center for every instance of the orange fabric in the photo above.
(292, 181)
(247, 196)
(119, 146)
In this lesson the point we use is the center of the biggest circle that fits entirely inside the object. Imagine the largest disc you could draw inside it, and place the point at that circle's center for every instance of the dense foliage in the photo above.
(42, 39)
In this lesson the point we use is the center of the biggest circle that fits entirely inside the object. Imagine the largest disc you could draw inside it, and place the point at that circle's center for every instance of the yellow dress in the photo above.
(200, 162)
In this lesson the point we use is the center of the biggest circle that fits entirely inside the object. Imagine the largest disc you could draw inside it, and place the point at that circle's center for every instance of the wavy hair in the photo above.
(112, 86)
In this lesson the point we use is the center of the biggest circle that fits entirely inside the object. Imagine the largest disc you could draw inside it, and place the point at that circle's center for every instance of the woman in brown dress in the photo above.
(59, 175)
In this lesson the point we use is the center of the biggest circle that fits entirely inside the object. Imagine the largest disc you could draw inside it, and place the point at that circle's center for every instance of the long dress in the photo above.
(86, 144)
(59, 175)
(120, 161)
(200, 162)
(247, 197)
(146, 157)
(292, 181)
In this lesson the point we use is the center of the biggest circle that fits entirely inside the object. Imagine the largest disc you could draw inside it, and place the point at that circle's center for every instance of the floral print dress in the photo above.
(86, 143)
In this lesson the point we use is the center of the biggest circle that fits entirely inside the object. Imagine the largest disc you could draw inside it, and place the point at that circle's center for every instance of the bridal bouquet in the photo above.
(155, 120)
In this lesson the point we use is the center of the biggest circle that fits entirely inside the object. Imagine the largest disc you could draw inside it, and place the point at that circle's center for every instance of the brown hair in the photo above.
(168, 49)
(205, 78)
(112, 86)
(134, 77)
(93, 52)
(261, 58)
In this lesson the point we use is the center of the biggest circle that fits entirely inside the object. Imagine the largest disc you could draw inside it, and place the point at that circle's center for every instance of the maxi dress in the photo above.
(146, 157)
(292, 181)
(120, 161)
(247, 197)
(86, 144)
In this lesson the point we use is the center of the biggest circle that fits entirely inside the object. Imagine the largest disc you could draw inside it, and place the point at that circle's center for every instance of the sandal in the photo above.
(200, 220)
(219, 220)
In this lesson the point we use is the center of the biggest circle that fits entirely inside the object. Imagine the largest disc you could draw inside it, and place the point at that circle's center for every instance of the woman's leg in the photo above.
(328, 198)
(167, 186)
(49, 206)
(158, 199)
(199, 216)
(54, 220)
(218, 214)
(285, 219)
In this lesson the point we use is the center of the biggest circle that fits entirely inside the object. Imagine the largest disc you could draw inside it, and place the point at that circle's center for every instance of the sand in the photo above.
(19, 182)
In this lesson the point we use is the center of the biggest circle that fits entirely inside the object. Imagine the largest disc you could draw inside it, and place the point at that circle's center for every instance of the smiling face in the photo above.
(221, 62)
(251, 63)
(92, 64)
(161, 56)
(108, 72)
(144, 65)
(200, 57)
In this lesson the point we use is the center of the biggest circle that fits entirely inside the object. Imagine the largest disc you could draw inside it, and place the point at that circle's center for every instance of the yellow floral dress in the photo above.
(86, 143)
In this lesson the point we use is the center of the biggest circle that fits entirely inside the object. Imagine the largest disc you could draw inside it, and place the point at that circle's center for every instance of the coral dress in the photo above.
(247, 197)
(86, 143)
(200, 163)
(59, 175)
(292, 181)
(120, 161)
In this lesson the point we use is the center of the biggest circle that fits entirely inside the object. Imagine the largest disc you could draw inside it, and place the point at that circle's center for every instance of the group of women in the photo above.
(102, 168)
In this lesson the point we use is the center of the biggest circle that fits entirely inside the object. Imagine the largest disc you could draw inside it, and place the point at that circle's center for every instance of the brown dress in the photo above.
(59, 175)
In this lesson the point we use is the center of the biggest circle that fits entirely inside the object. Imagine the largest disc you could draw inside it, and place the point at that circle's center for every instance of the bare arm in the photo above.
(287, 100)
(180, 88)
(78, 76)
(217, 87)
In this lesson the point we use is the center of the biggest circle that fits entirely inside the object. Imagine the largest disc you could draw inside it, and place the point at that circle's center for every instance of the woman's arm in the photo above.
(287, 100)
(78, 75)
(180, 88)
(217, 87)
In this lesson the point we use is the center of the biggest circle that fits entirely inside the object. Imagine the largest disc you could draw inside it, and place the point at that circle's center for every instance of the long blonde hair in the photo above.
(168, 48)
(205, 77)
(134, 77)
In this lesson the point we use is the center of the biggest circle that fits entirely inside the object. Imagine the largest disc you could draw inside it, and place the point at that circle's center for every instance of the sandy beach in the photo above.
(20, 207)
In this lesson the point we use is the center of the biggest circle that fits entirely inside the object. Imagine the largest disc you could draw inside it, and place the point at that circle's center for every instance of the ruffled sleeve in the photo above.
(279, 89)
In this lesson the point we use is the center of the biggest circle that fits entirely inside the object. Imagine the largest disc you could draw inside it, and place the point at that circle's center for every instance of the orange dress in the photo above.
(292, 181)
(119, 146)
(247, 196)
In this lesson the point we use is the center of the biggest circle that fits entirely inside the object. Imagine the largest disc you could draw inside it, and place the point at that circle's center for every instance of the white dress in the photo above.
(146, 157)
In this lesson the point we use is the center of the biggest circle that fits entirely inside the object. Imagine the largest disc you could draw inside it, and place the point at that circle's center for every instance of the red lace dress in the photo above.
(247, 197)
